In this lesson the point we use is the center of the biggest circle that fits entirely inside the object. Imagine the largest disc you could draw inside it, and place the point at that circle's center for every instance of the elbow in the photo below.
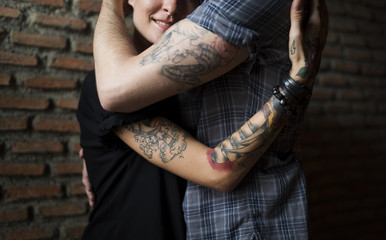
(105, 102)
(223, 183)
(111, 101)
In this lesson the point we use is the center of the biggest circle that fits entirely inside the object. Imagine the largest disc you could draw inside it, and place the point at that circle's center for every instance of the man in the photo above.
(270, 202)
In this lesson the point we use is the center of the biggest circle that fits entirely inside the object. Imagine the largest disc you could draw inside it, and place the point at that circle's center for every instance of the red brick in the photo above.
(12, 124)
(75, 232)
(344, 26)
(333, 80)
(337, 107)
(17, 59)
(379, 57)
(27, 169)
(27, 234)
(336, 8)
(363, 107)
(359, 54)
(370, 29)
(76, 147)
(62, 22)
(23, 103)
(346, 67)
(69, 168)
(68, 103)
(359, 12)
(9, 12)
(333, 51)
(353, 40)
(90, 5)
(50, 83)
(37, 147)
(375, 3)
(351, 121)
(56, 3)
(373, 70)
(77, 189)
(39, 40)
(376, 121)
(5, 80)
(69, 209)
(33, 192)
(377, 43)
(322, 94)
(84, 48)
(73, 64)
(350, 94)
(332, 38)
(13, 215)
(56, 125)
(379, 16)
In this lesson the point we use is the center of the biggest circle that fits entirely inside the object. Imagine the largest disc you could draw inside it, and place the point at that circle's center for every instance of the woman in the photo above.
(121, 204)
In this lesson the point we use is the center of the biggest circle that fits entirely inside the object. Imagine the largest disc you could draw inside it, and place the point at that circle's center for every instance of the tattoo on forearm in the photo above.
(159, 136)
(293, 48)
(311, 47)
(184, 66)
(238, 145)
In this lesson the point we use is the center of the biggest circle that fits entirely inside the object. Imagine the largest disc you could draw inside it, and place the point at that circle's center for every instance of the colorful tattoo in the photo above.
(238, 146)
(228, 51)
(212, 158)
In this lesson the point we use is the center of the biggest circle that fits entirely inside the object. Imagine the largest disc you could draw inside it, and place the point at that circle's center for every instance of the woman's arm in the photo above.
(186, 56)
(168, 146)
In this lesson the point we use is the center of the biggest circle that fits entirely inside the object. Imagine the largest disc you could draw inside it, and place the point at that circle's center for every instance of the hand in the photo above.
(86, 181)
(307, 43)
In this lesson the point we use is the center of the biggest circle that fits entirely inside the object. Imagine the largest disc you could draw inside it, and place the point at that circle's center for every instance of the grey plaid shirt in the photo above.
(270, 203)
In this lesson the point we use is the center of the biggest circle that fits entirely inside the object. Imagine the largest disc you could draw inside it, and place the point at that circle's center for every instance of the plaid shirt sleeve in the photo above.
(241, 22)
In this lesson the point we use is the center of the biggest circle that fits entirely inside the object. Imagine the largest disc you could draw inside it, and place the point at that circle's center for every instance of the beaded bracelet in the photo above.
(282, 100)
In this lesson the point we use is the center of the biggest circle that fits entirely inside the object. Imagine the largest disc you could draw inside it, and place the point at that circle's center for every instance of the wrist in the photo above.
(301, 75)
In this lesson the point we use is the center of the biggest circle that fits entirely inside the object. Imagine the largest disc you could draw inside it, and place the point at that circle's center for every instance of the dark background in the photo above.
(46, 50)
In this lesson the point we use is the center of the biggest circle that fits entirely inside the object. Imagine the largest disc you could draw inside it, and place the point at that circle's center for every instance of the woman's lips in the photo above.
(162, 24)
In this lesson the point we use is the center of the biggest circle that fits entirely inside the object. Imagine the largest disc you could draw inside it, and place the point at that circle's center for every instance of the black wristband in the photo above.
(296, 92)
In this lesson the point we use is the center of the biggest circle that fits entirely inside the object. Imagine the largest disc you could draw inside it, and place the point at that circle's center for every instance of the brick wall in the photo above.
(45, 51)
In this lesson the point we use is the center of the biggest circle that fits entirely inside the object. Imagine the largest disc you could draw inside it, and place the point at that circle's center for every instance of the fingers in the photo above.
(307, 39)
(81, 153)
(296, 51)
(87, 185)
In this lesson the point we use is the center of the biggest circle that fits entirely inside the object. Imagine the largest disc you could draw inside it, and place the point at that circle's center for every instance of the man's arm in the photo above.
(186, 56)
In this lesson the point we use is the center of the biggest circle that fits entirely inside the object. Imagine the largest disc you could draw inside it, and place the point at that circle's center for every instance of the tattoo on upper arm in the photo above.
(184, 66)
(238, 146)
(159, 136)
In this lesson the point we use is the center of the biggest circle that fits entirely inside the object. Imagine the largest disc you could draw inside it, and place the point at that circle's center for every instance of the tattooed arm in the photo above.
(186, 56)
(223, 167)
(168, 146)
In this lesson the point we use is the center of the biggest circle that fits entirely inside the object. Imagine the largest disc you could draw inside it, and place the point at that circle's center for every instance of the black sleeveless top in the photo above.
(135, 200)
